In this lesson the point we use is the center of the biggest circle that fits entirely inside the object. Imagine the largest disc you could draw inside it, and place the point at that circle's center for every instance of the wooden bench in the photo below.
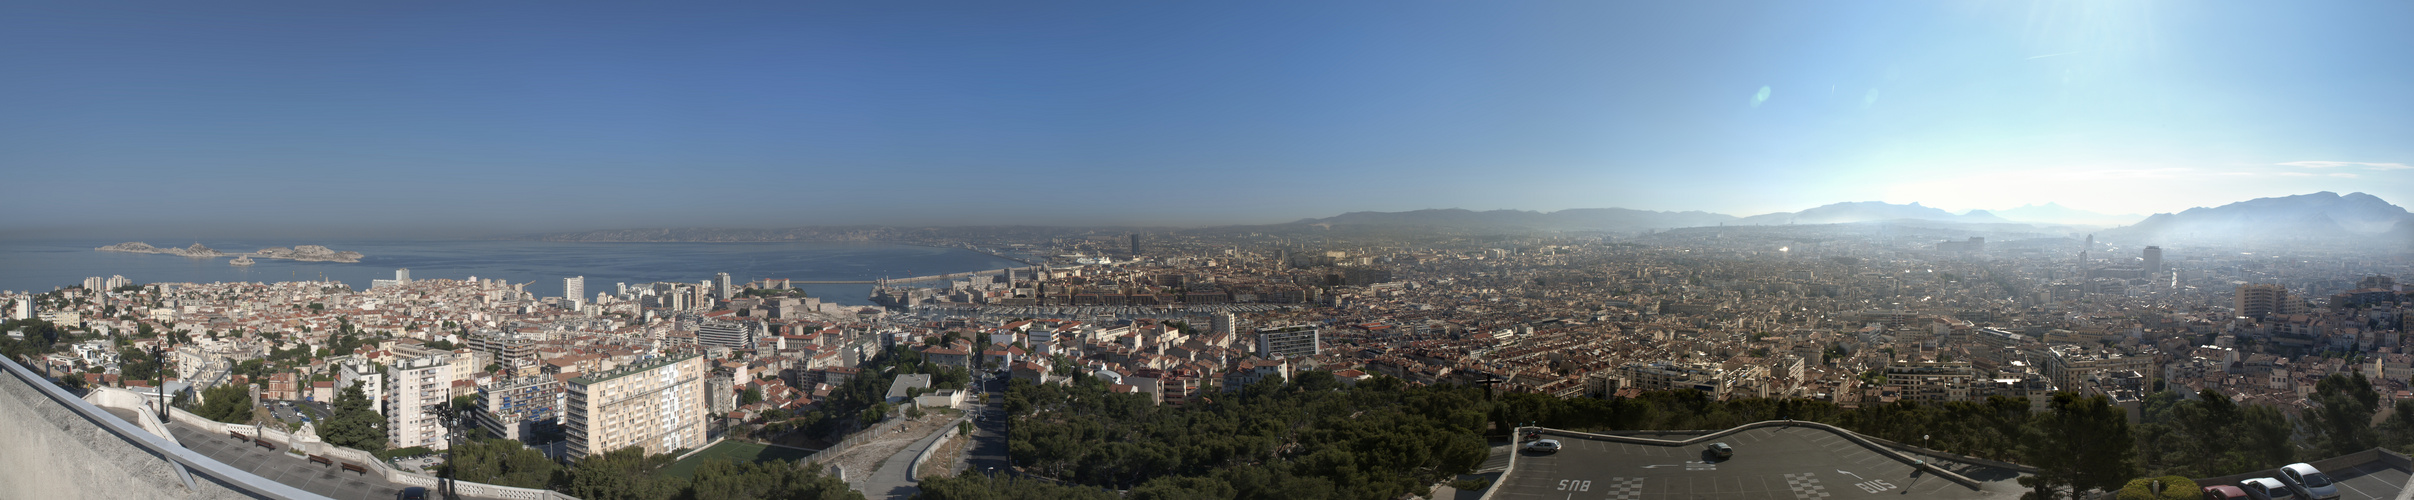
(239, 436)
(353, 467)
(263, 443)
(321, 460)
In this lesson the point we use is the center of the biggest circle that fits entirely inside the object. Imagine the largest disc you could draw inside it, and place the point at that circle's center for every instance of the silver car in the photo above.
(1543, 446)
(2309, 482)
(2264, 488)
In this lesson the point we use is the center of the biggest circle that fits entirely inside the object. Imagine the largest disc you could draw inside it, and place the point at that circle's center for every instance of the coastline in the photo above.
(873, 241)
(47, 265)
(301, 253)
(973, 250)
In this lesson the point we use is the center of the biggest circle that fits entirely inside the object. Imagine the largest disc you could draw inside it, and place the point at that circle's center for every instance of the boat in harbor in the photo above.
(241, 261)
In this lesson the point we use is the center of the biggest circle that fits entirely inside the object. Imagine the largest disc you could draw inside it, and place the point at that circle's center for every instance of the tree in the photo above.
(355, 424)
(134, 364)
(251, 368)
(2081, 443)
(2213, 436)
(1003, 487)
(753, 395)
(718, 479)
(72, 382)
(1183, 488)
(2398, 432)
(2343, 417)
(227, 403)
(622, 474)
(500, 461)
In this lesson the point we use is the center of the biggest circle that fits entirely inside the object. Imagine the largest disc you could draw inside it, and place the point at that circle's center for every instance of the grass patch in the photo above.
(734, 451)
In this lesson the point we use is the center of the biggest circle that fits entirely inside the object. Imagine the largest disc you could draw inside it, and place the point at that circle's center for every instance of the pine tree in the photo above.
(2080, 443)
(2344, 417)
(355, 424)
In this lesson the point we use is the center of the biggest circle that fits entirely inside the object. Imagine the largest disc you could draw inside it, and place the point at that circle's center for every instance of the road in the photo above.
(987, 451)
(893, 479)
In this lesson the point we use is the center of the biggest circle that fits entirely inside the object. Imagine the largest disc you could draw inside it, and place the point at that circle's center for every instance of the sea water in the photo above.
(45, 265)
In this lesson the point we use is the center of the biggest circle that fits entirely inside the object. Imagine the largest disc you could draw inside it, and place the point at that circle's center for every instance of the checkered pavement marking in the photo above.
(1806, 486)
(1623, 488)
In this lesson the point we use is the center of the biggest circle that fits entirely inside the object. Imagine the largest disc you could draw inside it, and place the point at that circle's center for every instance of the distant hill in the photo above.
(2052, 213)
(2325, 217)
(1866, 211)
(2318, 217)
(1580, 219)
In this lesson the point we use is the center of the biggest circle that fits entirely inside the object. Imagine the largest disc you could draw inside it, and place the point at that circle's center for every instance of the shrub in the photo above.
(2174, 488)
(1476, 484)
(403, 452)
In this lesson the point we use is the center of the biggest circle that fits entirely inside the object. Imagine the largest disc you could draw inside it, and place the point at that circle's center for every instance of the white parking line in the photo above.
(2359, 491)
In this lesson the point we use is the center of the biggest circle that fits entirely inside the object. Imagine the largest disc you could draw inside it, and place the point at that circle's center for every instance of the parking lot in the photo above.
(1769, 463)
(2370, 480)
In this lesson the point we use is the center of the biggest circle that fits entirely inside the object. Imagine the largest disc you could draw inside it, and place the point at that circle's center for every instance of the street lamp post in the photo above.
(159, 364)
(446, 415)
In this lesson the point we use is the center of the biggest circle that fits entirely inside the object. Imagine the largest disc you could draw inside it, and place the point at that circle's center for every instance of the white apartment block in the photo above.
(418, 383)
(658, 405)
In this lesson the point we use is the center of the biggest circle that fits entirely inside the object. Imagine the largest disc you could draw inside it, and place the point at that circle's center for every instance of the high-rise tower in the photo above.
(402, 276)
(723, 290)
(2261, 299)
(574, 287)
(2154, 259)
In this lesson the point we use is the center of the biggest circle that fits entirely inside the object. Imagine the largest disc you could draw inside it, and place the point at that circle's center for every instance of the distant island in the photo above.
(309, 253)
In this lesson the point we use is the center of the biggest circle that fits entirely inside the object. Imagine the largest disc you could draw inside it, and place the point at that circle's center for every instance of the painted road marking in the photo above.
(1805, 486)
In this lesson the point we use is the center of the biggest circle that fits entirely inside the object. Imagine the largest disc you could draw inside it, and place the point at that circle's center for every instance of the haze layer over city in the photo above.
(1253, 250)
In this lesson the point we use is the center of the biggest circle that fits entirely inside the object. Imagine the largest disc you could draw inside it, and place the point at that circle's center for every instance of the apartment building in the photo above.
(418, 385)
(657, 404)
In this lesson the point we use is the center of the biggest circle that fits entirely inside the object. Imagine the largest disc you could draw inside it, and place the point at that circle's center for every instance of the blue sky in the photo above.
(463, 117)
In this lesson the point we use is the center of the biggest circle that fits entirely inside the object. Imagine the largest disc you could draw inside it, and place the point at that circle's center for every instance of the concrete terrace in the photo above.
(1775, 462)
(282, 467)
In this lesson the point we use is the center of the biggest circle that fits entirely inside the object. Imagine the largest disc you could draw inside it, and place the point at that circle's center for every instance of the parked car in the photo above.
(2264, 488)
(2224, 492)
(411, 493)
(1543, 446)
(2309, 482)
(1721, 451)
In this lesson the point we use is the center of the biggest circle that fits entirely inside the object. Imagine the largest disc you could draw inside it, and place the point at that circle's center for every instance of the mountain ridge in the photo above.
(2321, 217)
(2314, 217)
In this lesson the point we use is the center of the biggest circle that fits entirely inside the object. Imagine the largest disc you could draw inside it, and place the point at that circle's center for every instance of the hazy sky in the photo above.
(325, 117)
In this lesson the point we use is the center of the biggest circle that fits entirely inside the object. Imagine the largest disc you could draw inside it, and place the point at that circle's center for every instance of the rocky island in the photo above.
(307, 253)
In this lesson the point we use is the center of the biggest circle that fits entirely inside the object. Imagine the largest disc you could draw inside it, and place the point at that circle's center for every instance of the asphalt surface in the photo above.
(986, 452)
(1769, 463)
(893, 478)
(2371, 480)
